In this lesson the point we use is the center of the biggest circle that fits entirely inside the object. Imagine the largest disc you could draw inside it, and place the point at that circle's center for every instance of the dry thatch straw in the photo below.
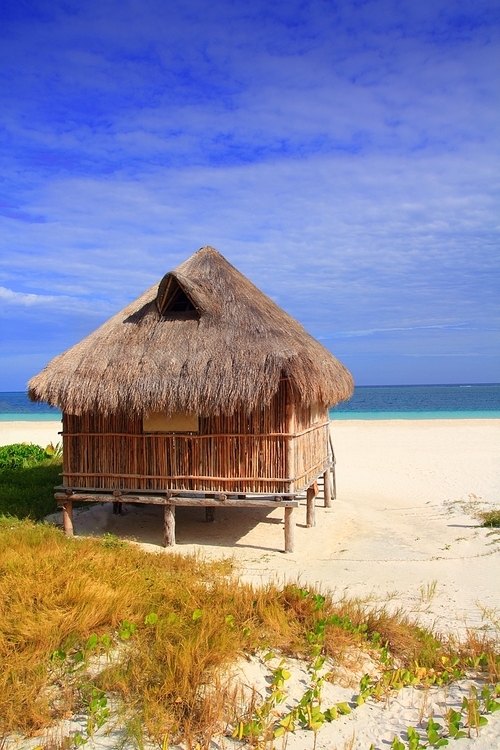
(205, 341)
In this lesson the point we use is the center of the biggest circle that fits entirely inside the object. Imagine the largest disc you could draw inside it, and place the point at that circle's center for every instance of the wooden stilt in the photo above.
(327, 492)
(169, 526)
(210, 514)
(334, 483)
(311, 507)
(290, 441)
(289, 530)
(67, 513)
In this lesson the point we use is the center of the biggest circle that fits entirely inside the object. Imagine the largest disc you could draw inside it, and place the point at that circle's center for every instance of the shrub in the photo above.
(490, 518)
(21, 455)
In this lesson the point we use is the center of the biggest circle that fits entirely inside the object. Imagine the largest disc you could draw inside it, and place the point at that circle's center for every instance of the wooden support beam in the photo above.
(210, 514)
(268, 501)
(334, 483)
(67, 514)
(124, 494)
(311, 507)
(289, 530)
(169, 526)
(327, 491)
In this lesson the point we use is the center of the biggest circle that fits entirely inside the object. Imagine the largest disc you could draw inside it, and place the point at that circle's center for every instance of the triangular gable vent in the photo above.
(172, 298)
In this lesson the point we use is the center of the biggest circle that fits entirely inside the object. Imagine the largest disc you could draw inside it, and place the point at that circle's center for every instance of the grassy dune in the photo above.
(164, 628)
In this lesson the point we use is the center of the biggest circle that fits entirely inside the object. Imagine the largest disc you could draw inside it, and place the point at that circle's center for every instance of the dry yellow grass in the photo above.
(168, 668)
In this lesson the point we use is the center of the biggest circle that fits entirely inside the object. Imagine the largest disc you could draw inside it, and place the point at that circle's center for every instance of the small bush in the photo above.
(490, 518)
(21, 455)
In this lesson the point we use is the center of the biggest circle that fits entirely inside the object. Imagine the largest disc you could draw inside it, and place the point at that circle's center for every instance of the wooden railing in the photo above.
(238, 462)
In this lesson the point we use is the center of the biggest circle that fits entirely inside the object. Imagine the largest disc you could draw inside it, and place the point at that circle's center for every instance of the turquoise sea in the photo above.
(16, 407)
(368, 402)
(421, 402)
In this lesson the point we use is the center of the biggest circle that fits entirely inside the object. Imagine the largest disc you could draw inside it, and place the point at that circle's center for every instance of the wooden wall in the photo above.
(237, 454)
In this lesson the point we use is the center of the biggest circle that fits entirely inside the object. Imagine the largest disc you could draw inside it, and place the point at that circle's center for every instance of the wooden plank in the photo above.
(327, 489)
(195, 435)
(289, 530)
(179, 500)
(175, 477)
(169, 526)
(67, 514)
(126, 491)
(311, 507)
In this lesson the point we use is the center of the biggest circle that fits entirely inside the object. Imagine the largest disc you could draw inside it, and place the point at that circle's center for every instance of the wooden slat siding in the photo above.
(251, 449)
(311, 446)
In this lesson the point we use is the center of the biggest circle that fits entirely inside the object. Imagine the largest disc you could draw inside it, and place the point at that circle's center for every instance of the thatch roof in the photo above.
(203, 340)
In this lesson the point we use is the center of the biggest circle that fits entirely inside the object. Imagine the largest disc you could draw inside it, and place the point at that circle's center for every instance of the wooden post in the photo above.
(289, 530)
(327, 492)
(334, 481)
(210, 514)
(67, 513)
(169, 526)
(290, 441)
(311, 507)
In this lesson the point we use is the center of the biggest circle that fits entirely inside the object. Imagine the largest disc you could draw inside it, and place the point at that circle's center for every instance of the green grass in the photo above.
(490, 518)
(29, 492)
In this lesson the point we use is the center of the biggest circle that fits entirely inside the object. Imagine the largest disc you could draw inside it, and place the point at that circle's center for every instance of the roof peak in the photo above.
(208, 250)
(160, 354)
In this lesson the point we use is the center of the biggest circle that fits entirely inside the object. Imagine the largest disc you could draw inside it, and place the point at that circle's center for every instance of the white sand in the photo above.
(40, 433)
(402, 531)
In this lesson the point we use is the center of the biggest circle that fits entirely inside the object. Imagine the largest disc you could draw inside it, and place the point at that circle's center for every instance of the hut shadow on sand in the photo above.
(144, 525)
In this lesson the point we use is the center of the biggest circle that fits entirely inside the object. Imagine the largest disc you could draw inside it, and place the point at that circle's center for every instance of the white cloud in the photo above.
(26, 300)
(61, 303)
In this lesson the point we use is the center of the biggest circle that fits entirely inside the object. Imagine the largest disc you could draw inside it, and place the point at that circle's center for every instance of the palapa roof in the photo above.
(204, 340)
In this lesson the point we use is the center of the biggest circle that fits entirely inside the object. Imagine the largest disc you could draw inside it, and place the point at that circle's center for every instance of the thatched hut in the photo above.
(201, 391)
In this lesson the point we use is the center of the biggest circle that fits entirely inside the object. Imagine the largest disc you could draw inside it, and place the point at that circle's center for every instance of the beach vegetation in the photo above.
(28, 492)
(461, 723)
(490, 517)
(87, 624)
(28, 475)
(428, 591)
(25, 455)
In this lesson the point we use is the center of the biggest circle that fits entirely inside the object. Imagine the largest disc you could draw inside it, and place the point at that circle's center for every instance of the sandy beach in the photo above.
(40, 433)
(402, 531)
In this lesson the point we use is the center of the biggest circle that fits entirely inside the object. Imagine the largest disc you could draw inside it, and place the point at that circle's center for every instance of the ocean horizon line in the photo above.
(334, 415)
(365, 385)
(451, 401)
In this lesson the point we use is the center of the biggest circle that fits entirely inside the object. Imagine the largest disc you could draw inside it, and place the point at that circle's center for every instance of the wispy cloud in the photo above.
(26, 300)
(56, 303)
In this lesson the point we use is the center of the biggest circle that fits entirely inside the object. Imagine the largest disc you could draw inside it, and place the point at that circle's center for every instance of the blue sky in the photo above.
(344, 156)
